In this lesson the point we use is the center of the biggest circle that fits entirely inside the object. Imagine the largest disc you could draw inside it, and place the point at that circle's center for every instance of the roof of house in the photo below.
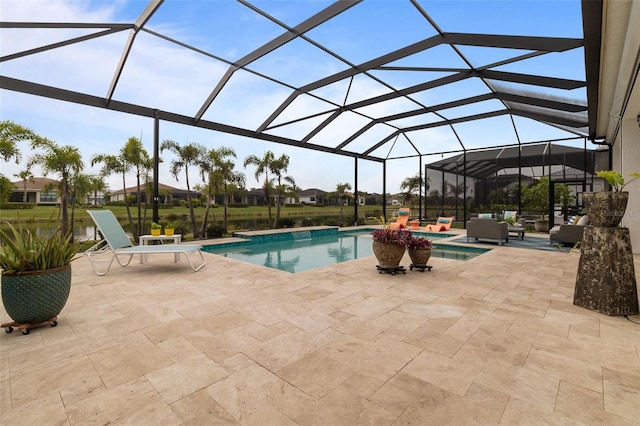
(312, 191)
(161, 187)
(34, 184)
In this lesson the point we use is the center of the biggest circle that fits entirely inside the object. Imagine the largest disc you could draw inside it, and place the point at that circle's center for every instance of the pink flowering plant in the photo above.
(397, 236)
(419, 243)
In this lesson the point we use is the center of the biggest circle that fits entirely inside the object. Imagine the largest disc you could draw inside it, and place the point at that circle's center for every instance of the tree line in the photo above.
(216, 167)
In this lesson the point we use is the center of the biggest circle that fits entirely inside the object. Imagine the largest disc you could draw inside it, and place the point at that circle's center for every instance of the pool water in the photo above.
(298, 255)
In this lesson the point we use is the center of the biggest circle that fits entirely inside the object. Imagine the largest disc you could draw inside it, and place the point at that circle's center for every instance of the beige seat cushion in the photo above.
(584, 221)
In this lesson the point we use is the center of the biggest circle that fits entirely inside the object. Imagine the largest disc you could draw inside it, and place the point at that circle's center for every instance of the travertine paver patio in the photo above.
(495, 340)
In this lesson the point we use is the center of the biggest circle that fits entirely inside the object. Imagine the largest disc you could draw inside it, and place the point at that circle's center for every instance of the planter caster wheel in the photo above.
(25, 331)
(8, 330)
(53, 323)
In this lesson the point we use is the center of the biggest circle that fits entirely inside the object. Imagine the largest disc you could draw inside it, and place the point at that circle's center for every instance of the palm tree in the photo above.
(278, 168)
(410, 186)
(134, 154)
(10, 134)
(80, 187)
(188, 155)
(341, 193)
(116, 164)
(166, 195)
(97, 184)
(6, 189)
(263, 166)
(25, 175)
(219, 167)
(64, 160)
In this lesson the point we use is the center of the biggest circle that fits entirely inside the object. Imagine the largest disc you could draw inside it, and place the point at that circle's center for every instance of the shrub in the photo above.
(285, 222)
(214, 231)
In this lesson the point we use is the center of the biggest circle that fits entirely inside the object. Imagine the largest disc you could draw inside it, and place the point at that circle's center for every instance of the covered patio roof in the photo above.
(359, 91)
(485, 163)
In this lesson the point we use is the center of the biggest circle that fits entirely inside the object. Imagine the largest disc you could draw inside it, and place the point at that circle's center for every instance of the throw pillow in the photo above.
(484, 215)
(584, 221)
(403, 213)
(572, 220)
(510, 214)
(443, 220)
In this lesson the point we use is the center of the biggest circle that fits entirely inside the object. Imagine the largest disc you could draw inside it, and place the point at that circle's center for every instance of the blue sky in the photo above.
(161, 75)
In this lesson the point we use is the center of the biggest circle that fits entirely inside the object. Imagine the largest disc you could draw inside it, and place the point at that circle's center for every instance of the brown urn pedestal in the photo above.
(606, 280)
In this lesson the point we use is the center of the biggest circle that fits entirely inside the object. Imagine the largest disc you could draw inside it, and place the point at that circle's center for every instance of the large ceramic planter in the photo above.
(541, 225)
(419, 256)
(388, 254)
(605, 208)
(34, 297)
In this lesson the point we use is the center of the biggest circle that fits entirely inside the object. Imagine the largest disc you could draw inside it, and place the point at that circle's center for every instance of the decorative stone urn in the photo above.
(605, 208)
(419, 256)
(389, 254)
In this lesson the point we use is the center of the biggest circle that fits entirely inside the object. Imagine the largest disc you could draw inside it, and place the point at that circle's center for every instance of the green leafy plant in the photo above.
(615, 179)
(380, 220)
(536, 197)
(25, 250)
(155, 225)
(170, 225)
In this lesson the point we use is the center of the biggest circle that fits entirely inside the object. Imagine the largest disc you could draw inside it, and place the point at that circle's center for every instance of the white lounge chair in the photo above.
(118, 243)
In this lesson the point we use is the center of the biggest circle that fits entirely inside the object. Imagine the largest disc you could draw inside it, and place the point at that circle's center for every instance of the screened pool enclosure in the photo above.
(474, 96)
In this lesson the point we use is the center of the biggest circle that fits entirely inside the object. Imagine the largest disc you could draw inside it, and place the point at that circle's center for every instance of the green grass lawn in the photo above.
(46, 213)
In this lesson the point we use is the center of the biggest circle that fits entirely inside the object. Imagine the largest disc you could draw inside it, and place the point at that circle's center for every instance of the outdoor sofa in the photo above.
(488, 229)
(568, 233)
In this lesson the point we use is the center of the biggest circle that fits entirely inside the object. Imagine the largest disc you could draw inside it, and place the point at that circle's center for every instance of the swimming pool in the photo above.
(307, 251)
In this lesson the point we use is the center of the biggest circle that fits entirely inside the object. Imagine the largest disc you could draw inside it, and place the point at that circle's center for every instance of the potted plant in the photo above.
(169, 229)
(36, 275)
(606, 208)
(155, 229)
(389, 245)
(536, 197)
(419, 249)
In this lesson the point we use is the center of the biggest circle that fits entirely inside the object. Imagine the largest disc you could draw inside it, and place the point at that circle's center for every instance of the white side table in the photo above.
(144, 240)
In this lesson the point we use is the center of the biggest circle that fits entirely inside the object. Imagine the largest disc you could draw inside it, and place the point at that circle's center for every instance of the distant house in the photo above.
(39, 191)
(44, 191)
(166, 193)
(313, 196)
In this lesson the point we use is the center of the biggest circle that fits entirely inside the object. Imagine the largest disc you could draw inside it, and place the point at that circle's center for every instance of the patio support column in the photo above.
(156, 164)
(384, 188)
(464, 188)
(456, 190)
(551, 200)
(420, 187)
(520, 178)
(444, 191)
(355, 191)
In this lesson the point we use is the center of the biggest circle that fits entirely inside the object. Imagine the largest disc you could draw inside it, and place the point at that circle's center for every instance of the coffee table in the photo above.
(518, 230)
(145, 239)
